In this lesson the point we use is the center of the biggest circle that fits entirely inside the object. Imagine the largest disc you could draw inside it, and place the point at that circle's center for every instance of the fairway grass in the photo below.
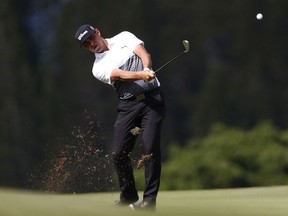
(262, 201)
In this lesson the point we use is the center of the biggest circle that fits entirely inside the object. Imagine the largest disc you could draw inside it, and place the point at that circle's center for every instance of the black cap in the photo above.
(83, 33)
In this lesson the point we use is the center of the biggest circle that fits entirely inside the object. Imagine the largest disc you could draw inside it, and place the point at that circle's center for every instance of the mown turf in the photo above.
(266, 201)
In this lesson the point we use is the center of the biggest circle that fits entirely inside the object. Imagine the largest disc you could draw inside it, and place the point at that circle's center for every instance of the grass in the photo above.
(260, 201)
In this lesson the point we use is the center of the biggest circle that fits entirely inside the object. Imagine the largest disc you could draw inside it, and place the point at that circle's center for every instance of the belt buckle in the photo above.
(140, 97)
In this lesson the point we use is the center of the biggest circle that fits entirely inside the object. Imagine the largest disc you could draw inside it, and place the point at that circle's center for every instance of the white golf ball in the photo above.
(259, 16)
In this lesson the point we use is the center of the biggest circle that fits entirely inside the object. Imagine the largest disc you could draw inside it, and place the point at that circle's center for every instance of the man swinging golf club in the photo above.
(123, 62)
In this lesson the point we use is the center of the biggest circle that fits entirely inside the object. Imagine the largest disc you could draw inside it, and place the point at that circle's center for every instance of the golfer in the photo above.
(124, 63)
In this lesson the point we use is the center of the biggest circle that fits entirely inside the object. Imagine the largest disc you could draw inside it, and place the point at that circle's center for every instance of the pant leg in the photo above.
(123, 144)
(151, 141)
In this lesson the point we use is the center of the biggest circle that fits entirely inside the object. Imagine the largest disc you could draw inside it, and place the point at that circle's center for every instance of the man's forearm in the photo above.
(146, 61)
(118, 74)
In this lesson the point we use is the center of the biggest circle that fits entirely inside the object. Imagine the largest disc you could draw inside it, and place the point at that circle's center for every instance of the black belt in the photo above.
(143, 96)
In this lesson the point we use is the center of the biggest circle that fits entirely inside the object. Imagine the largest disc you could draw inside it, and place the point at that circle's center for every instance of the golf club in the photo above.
(187, 48)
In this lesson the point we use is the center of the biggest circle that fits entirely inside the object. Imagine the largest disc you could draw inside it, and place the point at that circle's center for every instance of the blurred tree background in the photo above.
(235, 75)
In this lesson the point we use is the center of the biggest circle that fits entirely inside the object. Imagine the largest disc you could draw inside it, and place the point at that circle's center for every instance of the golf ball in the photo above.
(259, 16)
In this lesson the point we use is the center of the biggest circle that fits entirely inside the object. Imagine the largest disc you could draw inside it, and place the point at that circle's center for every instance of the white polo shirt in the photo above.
(120, 55)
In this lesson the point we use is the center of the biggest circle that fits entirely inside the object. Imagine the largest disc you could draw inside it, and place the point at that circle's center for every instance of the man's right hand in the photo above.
(148, 75)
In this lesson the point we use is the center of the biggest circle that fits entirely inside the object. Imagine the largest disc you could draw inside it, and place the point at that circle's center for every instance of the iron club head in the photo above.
(186, 45)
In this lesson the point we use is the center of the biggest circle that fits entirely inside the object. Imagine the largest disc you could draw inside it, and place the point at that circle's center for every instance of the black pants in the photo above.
(147, 114)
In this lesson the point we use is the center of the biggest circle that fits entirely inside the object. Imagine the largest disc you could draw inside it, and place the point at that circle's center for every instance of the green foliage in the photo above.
(229, 157)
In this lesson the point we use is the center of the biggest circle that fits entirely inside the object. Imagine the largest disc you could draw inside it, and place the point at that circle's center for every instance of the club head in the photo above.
(186, 45)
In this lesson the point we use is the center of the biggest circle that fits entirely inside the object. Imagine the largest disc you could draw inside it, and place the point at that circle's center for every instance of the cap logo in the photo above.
(82, 34)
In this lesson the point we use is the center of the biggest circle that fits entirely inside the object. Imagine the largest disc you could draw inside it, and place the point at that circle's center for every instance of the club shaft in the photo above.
(180, 54)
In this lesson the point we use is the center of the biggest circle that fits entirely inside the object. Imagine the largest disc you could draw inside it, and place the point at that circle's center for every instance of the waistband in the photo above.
(144, 95)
